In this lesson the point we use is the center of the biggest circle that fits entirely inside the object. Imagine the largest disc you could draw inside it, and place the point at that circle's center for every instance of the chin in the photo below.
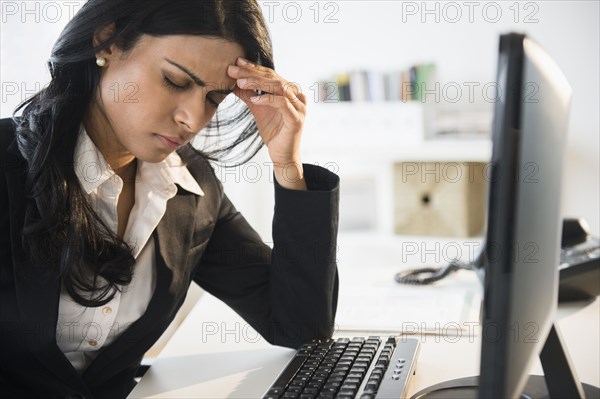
(153, 157)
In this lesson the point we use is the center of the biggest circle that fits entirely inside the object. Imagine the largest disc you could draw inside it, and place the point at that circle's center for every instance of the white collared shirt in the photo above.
(82, 331)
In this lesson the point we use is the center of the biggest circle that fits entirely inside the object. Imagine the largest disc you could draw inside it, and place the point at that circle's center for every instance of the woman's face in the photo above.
(156, 97)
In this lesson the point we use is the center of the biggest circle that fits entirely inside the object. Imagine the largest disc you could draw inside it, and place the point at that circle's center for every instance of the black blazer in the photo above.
(288, 294)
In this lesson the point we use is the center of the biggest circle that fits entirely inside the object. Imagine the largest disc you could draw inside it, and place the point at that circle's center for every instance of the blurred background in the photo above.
(403, 156)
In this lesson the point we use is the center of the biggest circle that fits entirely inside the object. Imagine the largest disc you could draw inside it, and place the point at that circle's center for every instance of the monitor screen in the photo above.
(521, 255)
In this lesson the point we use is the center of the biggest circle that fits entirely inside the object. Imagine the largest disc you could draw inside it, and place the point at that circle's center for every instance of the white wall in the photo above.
(377, 35)
(383, 35)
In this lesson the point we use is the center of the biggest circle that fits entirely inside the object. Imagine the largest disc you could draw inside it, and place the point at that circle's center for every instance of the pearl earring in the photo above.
(101, 61)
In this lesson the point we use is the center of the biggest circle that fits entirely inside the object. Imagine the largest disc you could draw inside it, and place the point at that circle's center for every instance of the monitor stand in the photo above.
(559, 381)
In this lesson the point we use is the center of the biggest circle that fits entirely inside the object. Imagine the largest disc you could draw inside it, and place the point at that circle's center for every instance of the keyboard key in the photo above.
(325, 395)
(289, 372)
(357, 369)
(331, 390)
(338, 374)
(371, 388)
(374, 380)
(332, 385)
(355, 375)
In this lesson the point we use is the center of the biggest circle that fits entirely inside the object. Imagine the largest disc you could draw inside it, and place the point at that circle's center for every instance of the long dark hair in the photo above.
(61, 228)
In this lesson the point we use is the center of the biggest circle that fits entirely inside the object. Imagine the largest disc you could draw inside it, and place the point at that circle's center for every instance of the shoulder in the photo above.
(7, 132)
(9, 152)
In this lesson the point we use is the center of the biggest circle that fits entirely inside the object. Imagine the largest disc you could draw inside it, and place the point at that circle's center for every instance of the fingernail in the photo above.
(241, 82)
(243, 61)
(233, 69)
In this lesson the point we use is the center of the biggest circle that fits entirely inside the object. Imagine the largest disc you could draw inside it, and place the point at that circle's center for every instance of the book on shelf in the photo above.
(422, 81)
(362, 85)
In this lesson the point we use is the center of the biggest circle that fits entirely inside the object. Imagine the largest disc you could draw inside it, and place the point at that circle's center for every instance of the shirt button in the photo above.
(93, 342)
(107, 310)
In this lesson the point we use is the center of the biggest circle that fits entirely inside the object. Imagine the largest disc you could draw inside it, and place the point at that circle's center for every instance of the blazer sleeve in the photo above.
(287, 293)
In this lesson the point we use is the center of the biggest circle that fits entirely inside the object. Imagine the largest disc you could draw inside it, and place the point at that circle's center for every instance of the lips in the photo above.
(171, 142)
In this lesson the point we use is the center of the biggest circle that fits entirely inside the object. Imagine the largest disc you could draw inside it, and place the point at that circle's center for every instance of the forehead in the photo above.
(207, 57)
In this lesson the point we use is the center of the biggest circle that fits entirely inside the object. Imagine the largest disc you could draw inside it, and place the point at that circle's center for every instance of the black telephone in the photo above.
(579, 270)
(579, 262)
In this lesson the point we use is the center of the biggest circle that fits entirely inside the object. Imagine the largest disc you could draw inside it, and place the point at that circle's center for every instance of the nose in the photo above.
(191, 115)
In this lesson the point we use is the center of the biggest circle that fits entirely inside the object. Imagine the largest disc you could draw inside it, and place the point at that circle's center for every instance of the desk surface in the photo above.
(215, 354)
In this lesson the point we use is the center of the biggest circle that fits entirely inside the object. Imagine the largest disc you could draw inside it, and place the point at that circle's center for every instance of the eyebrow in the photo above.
(196, 79)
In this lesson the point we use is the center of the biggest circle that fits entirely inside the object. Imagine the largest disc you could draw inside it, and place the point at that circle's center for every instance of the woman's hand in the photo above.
(279, 115)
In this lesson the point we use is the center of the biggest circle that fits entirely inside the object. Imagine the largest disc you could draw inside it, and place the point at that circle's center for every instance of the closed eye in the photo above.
(172, 85)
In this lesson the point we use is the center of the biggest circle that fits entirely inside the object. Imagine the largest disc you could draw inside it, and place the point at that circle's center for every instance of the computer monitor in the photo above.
(521, 254)
(524, 221)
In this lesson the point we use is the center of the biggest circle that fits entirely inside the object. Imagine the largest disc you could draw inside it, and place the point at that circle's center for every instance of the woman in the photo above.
(109, 213)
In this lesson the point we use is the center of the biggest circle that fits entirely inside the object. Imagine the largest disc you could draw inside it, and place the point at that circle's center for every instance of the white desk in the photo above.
(192, 363)
(215, 354)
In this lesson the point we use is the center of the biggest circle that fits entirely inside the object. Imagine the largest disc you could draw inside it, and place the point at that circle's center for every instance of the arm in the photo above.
(288, 294)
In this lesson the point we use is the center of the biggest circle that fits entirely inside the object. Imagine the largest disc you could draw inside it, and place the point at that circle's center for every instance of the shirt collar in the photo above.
(92, 170)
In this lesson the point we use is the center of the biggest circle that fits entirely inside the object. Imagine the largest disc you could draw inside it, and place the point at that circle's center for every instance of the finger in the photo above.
(293, 88)
(275, 87)
(250, 65)
(296, 101)
(244, 95)
(241, 72)
(268, 99)
(270, 86)
(258, 72)
(288, 112)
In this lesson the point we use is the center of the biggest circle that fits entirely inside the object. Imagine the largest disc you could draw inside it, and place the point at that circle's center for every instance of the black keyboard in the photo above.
(365, 368)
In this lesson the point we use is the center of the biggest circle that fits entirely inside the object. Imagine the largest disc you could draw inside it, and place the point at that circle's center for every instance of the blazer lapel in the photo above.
(173, 237)
(37, 287)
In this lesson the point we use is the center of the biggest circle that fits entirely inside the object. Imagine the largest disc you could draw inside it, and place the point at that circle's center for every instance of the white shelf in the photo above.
(381, 132)
(349, 125)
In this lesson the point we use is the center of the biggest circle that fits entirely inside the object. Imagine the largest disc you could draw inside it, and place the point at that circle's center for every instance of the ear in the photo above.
(101, 35)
